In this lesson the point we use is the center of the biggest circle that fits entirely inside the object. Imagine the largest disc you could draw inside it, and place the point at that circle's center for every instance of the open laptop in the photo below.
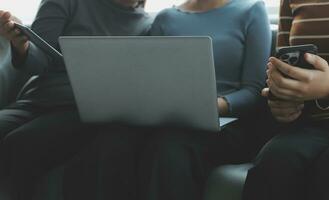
(143, 81)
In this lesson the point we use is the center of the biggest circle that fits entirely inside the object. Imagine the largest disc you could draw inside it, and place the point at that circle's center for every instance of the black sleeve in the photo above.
(50, 22)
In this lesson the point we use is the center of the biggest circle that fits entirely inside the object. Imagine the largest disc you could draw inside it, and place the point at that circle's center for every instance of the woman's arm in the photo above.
(49, 24)
(157, 28)
(257, 51)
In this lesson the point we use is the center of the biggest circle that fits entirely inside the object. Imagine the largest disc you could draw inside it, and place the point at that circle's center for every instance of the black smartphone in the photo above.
(39, 42)
(295, 56)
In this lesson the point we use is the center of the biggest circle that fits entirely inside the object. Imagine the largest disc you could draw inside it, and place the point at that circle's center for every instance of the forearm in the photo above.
(242, 102)
(253, 70)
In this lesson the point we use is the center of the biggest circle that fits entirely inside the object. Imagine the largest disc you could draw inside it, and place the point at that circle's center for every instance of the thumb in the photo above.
(317, 62)
(4, 17)
(265, 92)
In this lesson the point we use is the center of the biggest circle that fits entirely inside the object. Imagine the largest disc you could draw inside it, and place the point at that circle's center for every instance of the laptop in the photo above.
(143, 81)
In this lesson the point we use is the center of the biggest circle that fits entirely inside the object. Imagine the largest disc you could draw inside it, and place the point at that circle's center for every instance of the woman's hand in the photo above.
(7, 29)
(223, 106)
(296, 84)
(282, 110)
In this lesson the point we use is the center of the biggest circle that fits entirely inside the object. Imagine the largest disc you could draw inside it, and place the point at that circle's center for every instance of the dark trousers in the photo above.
(35, 141)
(107, 169)
(318, 187)
(129, 163)
(175, 164)
(286, 166)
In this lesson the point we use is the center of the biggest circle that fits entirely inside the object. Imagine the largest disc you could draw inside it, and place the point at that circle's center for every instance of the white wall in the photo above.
(23, 9)
(157, 5)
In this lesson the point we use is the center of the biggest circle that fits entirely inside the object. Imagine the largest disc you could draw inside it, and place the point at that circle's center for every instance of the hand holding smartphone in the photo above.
(39, 42)
(295, 56)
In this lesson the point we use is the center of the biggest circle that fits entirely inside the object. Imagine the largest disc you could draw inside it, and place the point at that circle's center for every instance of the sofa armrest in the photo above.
(226, 182)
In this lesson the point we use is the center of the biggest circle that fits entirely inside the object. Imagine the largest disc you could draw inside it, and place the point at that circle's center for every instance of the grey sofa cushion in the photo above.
(226, 182)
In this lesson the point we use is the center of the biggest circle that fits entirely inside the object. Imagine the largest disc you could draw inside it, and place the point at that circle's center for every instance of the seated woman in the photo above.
(42, 128)
(176, 163)
(287, 165)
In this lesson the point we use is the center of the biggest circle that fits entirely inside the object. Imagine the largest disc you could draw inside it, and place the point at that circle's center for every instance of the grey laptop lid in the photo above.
(144, 81)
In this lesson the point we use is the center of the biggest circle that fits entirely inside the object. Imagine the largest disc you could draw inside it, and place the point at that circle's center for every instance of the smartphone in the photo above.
(295, 56)
(39, 42)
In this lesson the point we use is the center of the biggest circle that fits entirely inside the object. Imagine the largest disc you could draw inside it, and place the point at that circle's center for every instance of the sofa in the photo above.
(225, 183)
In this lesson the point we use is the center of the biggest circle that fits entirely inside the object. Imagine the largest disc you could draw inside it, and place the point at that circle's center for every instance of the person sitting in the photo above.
(42, 129)
(176, 163)
(285, 167)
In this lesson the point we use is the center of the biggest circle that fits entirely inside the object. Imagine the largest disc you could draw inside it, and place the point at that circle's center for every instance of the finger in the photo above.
(21, 40)
(284, 112)
(282, 93)
(10, 32)
(14, 32)
(265, 92)
(284, 82)
(290, 118)
(290, 71)
(9, 26)
(285, 104)
(5, 16)
(318, 62)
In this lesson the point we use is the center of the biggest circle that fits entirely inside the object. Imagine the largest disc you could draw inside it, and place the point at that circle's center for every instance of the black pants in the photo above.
(129, 163)
(175, 164)
(33, 141)
(107, 169)
(318, 187)
(285, 168)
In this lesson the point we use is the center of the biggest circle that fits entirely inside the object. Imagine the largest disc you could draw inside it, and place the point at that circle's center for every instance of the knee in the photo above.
(281, 156)
(15, 145)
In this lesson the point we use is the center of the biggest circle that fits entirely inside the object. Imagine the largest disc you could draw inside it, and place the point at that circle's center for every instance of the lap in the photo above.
(234, 144)
(48, 139)
(11, 119)
(295, 145)
(318, 184)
